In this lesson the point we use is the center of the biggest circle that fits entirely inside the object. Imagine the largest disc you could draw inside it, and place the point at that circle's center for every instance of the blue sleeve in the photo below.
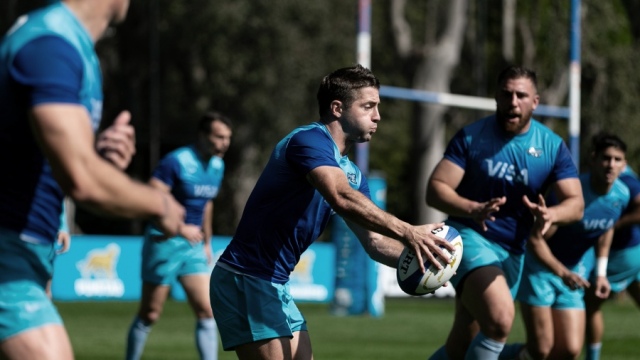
(167, 170)
(364, 187)
(457, 150)
(308, 150)
(51, 68)
(564, 167)
(632, 183)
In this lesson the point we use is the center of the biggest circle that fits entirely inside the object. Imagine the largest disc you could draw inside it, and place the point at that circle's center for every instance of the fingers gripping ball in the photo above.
(410, 277)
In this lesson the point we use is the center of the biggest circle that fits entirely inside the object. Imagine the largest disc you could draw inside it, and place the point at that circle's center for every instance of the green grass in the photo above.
(410, 329)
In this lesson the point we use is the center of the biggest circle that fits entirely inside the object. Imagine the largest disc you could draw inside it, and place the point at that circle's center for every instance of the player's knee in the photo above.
(540, 350)
(499, 325)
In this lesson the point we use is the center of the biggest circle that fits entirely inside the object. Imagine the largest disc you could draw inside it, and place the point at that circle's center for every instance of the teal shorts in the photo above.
(480, 252)
(249, 309)
(166, 260)
(541, 287)
(25, 269)
(623, 267)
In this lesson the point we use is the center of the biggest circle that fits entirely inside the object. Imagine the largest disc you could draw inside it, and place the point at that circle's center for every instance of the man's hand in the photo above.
(64, 242)
(540, 212)
(485, 211)
(602, 287)
(117, 143)
(425, 243)
(172, 218)
(192, 233)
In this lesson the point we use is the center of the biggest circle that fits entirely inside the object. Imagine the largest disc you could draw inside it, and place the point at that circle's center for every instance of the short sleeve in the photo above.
(167, 170)
(456, 150)
(51, 69)
(310, 149)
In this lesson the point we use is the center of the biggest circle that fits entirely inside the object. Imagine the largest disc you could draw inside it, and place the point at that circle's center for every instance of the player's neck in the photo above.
(94, 21)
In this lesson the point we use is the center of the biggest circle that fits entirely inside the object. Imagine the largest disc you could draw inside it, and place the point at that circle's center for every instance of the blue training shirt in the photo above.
(193, 181)
(46, 57)
(285, 213)
(497, 164)
(571, 242)
(628, 236)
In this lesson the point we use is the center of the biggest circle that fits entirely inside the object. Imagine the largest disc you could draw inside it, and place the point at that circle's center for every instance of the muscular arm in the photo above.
(441, 190)
(355, 207)
(65, 135)
(385, 251)
(570, 207)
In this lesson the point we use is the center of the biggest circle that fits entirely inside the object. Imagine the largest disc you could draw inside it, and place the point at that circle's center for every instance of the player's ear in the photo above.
(336, 108)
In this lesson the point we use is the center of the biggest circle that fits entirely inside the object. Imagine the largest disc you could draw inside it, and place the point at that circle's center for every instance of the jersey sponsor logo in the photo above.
(597, 224)
(205, 191)
(98, 271)
(535, 152)
(503, 170)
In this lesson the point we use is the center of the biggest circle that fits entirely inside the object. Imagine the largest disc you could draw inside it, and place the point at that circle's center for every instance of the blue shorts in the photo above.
(166, 260)
(25, 269)
(541, 287)
(249, 309)
(479, 252)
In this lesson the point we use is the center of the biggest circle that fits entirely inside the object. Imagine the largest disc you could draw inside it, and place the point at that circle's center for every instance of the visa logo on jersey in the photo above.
(205, 191)
(597, 224)
(507, 171)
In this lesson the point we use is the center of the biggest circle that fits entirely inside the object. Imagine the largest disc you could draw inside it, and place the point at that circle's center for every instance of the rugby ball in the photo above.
(411, 279)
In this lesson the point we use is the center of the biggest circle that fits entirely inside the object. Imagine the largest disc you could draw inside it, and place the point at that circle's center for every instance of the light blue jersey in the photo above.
(571, 244)
(30, 198)
(497, 164)
(193, 183)
(285, 213)
(629, 236)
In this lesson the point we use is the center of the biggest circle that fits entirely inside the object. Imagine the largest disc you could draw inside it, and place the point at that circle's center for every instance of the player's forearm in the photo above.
(568, 210)
(356, 207)
(102, 188)
(442, 197)
(381, 249)
(539, 248)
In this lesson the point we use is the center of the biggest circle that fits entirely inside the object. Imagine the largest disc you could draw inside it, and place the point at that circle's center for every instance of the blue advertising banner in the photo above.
(100, 267)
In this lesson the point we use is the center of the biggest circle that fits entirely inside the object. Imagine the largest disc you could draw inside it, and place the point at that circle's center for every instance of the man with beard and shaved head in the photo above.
(491, 182)
(50, 106)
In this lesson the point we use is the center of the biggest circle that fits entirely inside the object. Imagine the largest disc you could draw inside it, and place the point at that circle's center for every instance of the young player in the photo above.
(193, 175)
(492, 173)
(307, 179)
(622, 267)
(555, 271)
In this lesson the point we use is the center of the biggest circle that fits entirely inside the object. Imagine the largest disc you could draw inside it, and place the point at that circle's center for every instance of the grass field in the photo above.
(410, 329)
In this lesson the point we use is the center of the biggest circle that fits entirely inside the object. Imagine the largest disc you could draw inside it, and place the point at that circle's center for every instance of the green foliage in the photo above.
(411, 328)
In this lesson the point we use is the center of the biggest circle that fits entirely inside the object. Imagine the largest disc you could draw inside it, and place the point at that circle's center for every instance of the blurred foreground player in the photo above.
(50, 105)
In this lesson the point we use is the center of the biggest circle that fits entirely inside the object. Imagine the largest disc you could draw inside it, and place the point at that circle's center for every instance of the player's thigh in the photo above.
(487, 297)
(41, 343)
(152, 301)
(634, 291)
(196, 287)
(569, 325)
(538, 323)
(301, 346)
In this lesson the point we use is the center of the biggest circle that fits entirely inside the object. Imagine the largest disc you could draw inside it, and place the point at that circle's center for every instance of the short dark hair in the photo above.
(341, 85)
(204, 126)
(604, 140)
(515, 72)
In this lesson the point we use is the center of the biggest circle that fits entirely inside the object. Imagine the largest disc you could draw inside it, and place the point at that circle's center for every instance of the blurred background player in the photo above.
(491, 172)
(193, 175)
(555, 271)
(622, 267)
(50, 105)
(307, 179)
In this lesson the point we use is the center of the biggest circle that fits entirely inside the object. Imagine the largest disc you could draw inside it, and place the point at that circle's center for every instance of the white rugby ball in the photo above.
(411, 279)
